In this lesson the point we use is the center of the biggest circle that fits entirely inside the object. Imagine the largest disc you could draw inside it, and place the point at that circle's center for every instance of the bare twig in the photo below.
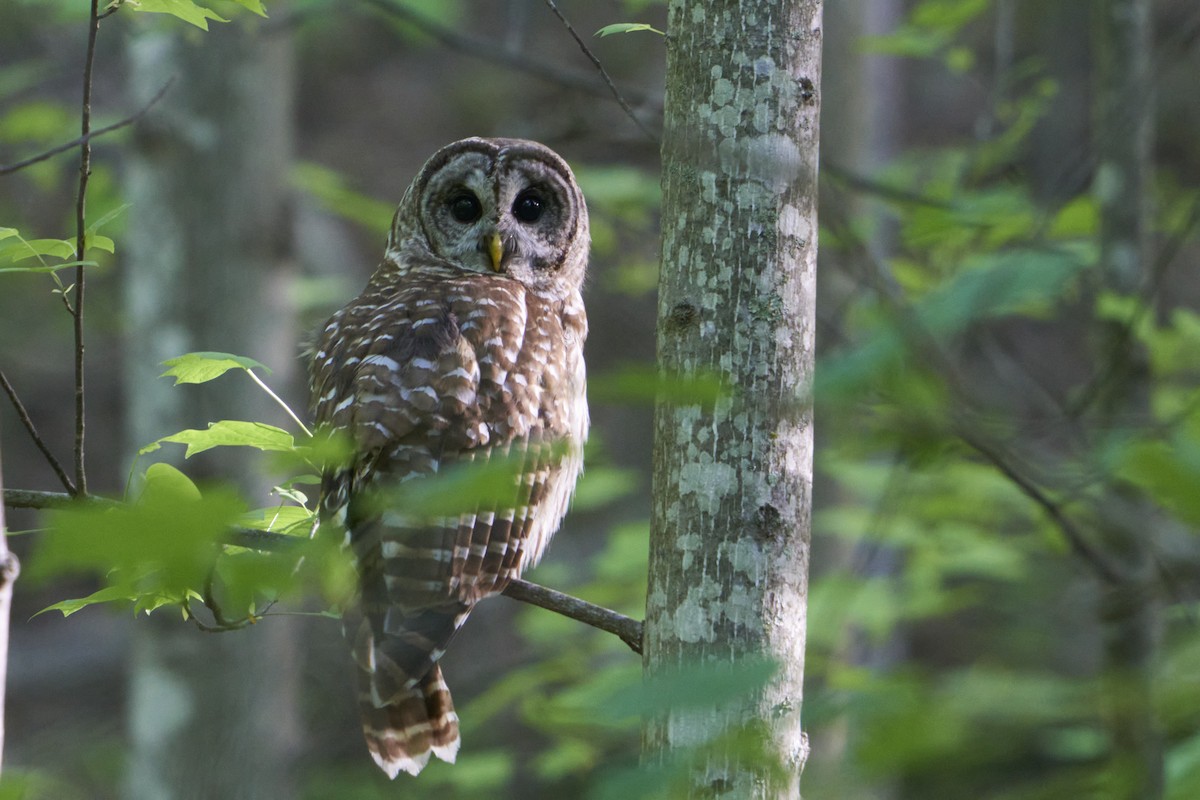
(85, 172)
(612, 87)
(23, 415)
(62, 148)
(482, 48)
(629, 630)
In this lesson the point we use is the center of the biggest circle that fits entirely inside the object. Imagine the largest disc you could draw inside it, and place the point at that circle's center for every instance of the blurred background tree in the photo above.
(1005, 565)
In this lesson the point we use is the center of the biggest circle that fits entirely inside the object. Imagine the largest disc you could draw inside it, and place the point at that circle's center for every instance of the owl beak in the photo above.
(495, 249)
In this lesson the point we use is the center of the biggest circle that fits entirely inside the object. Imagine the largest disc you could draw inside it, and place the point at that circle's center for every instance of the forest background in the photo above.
(1006, 409)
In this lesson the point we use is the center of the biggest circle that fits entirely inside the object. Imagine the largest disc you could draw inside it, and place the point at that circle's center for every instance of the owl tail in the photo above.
(415, 724)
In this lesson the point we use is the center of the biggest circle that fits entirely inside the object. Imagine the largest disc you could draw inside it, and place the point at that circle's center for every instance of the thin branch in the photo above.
(485, 49)
(1075, 537)
(629, 630)
(23, 415)
(922, 341)
(85, 172)
(612, 87)
(28, 498)
(62, 148)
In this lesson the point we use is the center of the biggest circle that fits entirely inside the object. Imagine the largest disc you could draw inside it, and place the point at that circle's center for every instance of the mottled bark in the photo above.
(210, 715)
(1131, 608)
(732, 480)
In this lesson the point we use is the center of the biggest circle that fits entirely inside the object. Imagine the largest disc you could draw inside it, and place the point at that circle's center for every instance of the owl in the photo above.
(464, 349)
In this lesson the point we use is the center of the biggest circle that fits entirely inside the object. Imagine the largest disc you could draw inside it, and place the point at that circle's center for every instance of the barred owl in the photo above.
(465, 347)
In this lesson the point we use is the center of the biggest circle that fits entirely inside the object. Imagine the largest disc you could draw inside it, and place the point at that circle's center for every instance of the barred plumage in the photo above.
(466, 347)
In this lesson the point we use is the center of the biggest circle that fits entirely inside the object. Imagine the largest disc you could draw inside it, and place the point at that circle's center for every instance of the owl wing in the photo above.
(441, 375)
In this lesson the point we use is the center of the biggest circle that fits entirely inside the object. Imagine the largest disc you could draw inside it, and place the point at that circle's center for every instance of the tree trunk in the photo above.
(1124, 126)
(733, 479)
(211, 715)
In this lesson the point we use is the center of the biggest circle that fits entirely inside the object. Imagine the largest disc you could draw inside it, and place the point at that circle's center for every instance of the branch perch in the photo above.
(627, 629)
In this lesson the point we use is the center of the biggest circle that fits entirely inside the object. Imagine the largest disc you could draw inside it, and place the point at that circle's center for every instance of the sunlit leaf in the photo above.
(279, 519)
(106, 595)
(49, 269)
(32, 248)
(185, 10)
(232, 433)
(157, 549)
(254, 6)
(201, 367)
(99, 242)
(627, 27)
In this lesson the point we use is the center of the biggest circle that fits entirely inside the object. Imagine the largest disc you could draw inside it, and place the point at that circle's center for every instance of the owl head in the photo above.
(498, 207)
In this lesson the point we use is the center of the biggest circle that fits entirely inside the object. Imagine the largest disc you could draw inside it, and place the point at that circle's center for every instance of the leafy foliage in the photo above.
(628, 27)
(187, 10)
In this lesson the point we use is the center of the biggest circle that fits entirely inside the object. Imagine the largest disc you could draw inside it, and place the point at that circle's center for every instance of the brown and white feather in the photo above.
(443, 362)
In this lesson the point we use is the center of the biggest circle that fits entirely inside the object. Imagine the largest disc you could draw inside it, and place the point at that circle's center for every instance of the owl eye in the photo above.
(465, 208)
(528, 207)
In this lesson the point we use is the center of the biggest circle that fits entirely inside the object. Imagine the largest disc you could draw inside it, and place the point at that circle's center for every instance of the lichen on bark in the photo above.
(733, 479)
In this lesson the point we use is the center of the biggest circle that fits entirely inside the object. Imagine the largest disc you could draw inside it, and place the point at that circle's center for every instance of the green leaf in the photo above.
(202, 367)
(627, 27)
(157, 549)
(98, 242)
(691, 686)
(642, 384)
(603, 485)
(1169, 472)
(106, 595)
(32, 248)
(6, 233)
(107, 218)
(331, 190)
(185, 10)
(232, 433)
(254, 6)
(51, 268)
(279, 519)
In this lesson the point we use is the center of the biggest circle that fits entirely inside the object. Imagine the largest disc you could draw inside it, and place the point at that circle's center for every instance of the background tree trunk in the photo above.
(1131, 608)
(732, 480)
(205, 264)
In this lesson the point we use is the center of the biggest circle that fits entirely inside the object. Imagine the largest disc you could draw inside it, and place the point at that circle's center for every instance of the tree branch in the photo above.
(85, 172)
(612, 87)
(62, 148)
(1077, 541)
(23, 415)
(484, 49)
(629, 630)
